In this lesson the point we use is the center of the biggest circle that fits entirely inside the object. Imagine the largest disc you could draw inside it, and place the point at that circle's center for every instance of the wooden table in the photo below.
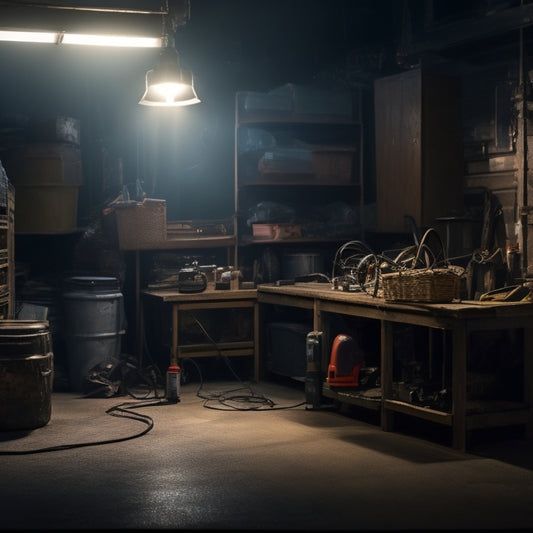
(138, 245)
(211, 299)
(460, 319)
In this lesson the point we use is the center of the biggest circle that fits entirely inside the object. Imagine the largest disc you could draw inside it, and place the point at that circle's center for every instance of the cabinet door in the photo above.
(419, 162)
(398, 150)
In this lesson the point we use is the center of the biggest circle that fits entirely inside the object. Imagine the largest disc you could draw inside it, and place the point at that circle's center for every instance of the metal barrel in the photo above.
(26, 374)
(94, 325)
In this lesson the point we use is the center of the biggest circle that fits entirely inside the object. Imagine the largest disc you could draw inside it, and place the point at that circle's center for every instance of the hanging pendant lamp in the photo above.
(169, 85)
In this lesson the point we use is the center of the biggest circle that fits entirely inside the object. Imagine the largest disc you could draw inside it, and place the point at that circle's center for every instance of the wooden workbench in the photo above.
(459, 318)
(206, 300)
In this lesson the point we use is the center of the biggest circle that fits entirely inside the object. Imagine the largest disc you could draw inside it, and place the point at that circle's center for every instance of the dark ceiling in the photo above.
(262, 43)
(267, 40)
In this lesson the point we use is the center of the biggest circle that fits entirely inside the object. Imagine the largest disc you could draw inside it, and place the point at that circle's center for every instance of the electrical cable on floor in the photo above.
(122, 410)
(228, 402)
(241, 402)
(147, 376)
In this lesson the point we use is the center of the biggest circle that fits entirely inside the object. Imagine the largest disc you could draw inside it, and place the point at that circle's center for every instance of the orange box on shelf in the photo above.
(276, 231)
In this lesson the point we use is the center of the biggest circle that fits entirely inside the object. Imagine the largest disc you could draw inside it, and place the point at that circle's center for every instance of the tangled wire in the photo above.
(357, 267)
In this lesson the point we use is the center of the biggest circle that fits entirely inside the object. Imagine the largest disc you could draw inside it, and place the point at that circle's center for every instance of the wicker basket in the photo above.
(141, 225)
(439, 285)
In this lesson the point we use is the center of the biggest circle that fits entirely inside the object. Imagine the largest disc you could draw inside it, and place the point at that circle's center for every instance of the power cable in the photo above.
(122, 410)
(241, 402)
(228, 402)
(133, 380)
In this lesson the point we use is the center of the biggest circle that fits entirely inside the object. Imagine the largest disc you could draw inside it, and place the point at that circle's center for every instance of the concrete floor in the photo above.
(203, 468)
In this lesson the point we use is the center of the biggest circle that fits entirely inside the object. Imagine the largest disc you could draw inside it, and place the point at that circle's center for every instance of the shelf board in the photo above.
(184, 243)
(307, 181)
(440, 417)
(326, 240)
(361, 397)
(281, 117)
(50, 233)
(231, 349)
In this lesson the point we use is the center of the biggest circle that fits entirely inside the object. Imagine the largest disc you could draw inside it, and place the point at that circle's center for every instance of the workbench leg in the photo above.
(174, 353)
(256, 342)
(321, 366)
(459, 372)
(387, 343)
(317, 318)
(138, 311)
(324, 326)
(528, 379)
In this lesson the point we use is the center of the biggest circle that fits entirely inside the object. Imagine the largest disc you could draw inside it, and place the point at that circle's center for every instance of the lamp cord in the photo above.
(164, 29)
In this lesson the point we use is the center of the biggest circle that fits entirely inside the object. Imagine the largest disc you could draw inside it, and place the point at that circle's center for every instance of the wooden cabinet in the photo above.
(298, 175)
(419, 159)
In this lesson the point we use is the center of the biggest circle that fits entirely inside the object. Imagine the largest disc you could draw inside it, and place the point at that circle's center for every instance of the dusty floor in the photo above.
(267, 464)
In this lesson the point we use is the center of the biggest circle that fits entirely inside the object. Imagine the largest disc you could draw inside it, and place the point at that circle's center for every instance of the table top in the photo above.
(210, 294)
(459, 309)
(325, 293)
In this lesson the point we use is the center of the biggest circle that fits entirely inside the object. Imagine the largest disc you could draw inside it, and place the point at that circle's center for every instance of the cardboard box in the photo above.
(333, 164)
(276, 231)
(46, 209)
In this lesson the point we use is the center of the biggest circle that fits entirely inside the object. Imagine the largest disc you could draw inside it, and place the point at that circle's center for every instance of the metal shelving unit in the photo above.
(331, 171)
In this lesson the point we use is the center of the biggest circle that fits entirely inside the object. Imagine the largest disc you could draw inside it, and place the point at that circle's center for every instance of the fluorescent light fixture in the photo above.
(111, 40)
(79, 38)
(28, 36)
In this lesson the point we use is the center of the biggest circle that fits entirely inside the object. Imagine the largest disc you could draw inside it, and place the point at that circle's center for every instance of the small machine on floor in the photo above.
(346, 360)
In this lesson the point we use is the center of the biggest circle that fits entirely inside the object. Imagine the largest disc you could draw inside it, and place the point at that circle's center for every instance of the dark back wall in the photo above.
(184, 155)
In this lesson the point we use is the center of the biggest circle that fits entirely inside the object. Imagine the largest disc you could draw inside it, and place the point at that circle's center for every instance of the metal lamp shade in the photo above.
(168, 85)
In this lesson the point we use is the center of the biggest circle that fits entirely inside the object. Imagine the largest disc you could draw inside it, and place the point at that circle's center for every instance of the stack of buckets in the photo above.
(93, 326)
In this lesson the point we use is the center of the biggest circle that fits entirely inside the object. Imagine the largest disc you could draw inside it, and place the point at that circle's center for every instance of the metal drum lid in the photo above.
(24, 338)
(92, 284)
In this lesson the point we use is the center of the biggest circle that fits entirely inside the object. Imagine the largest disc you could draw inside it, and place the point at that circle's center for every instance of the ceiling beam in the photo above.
(79, 18)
